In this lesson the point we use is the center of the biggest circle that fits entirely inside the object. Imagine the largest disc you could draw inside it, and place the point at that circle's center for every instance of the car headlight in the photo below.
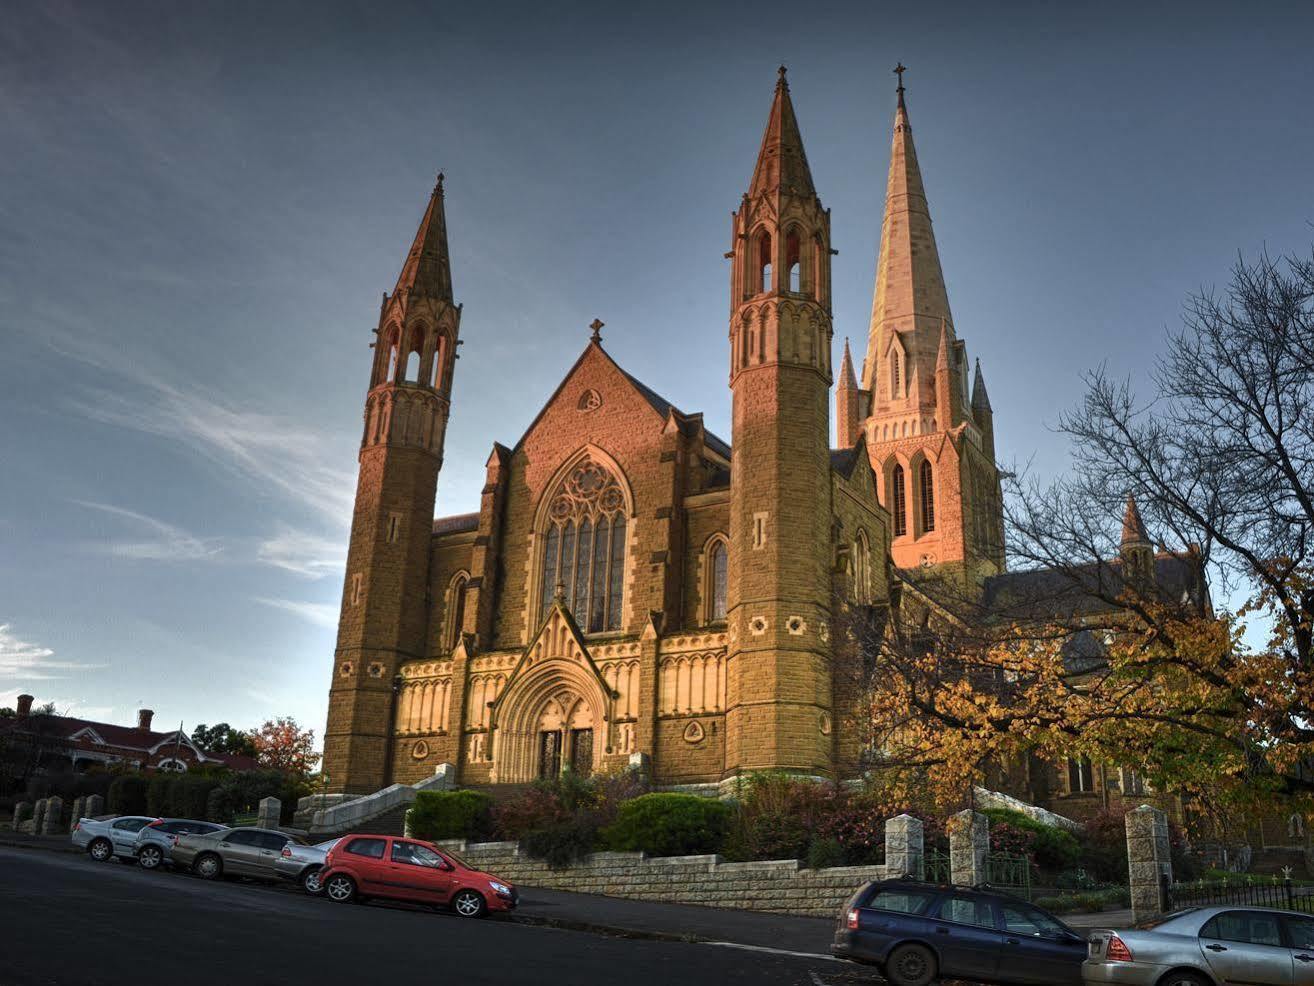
(500, 888)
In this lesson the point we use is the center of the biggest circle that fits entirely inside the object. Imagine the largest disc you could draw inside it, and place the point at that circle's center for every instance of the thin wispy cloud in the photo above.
(159, 541)
(276, 454)
(304, 553)
(23, 660)
(320, 614)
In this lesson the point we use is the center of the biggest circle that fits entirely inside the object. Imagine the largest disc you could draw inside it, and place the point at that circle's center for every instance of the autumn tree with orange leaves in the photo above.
(281, 744)
(1118, 656)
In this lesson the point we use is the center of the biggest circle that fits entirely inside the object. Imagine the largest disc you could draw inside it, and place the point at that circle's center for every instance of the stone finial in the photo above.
(596, 325)
(969, 845)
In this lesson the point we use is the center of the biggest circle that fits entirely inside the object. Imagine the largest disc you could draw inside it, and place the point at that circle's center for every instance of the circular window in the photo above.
(420, 750)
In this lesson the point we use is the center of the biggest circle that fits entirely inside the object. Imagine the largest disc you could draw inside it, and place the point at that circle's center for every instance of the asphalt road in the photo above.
(67, 920)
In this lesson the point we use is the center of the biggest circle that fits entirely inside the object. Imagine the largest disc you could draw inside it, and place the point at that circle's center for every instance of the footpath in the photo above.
(652, 920)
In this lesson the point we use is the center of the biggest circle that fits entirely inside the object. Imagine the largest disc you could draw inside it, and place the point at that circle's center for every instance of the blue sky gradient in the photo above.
(201, 203)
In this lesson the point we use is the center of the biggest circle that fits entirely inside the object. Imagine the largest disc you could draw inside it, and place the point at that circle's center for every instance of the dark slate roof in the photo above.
(664, 407)
(842, 460)
(456, 524)
(1053, 593)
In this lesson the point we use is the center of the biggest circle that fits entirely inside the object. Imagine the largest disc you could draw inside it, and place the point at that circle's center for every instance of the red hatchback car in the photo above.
(364, 866)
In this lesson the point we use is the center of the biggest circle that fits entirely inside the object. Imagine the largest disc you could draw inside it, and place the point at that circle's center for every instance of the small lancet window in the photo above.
(764, 262)
(793, 268)
(899, 502)
(926, 482)
(896, 374)
(718, 563)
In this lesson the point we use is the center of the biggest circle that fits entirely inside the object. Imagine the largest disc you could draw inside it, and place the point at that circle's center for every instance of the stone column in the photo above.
(903, 847)
(78, 805)
(38, 816)
(444, 778)
(95, 806)
(1148, 857)
(269, 813)
(969, 844)
(51, 824)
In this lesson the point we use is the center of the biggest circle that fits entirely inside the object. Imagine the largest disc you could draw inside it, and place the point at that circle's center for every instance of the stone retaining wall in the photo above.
(780, 886)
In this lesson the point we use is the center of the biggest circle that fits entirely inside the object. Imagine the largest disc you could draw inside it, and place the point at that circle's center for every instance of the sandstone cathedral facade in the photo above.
(630, 583)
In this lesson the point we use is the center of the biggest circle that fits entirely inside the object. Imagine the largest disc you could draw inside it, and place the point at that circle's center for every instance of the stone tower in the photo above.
(384, 607)
(779, 684)
(931, 443)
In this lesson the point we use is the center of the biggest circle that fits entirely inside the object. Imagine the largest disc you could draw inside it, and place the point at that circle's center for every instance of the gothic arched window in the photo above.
(763, 263)
(718, 580)
(455, 609)
(899, 502)
(793, 267)
(584, 550)
(861, 568)
(926, 491)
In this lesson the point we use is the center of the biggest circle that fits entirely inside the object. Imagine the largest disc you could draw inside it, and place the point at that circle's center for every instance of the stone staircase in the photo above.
(380, 813)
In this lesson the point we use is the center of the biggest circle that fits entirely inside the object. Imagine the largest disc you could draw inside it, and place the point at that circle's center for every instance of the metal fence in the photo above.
(1248, 892)
(936, 868)
(1009, 873)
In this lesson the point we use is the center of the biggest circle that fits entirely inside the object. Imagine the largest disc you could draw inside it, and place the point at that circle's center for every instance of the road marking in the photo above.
(772, 951)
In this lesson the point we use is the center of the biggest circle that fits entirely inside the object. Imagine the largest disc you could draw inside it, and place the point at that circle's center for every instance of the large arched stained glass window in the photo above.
(718, 579)
(584, 550)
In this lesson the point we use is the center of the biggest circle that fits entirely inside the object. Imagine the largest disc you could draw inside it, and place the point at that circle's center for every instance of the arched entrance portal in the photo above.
(555, 710)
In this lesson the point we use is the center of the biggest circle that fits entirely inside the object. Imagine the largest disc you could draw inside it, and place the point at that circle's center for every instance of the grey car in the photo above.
(154, 845)
(249, 852)
(107, 838)
(1207, 946)
(301, 864)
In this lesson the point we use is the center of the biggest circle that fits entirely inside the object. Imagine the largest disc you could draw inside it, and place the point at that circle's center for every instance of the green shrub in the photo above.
(669, 825)
(1055, 905)
(158, 790)
(1053, 848)
(1090, 902)
(561, 844)
(127, 795)
(450, 815)
(823, 853)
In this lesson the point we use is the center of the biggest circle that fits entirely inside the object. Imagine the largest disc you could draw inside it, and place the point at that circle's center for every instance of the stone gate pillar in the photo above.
(269, 813)
(95, 806)
(22, 813)
(54, 817)
(39, 816)
(1148, 859)
(969, 844)
(76, 812)
(903, 846)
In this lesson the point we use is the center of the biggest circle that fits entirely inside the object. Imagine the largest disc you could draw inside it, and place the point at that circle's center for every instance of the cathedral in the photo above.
(633, 589)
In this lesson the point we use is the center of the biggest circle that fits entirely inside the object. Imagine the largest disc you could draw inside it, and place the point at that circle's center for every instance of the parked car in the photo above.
(364, 866)
(244, 851)
(917, 933)
(155, 840)
(109, 838)
(1204, 946)
(302, 864)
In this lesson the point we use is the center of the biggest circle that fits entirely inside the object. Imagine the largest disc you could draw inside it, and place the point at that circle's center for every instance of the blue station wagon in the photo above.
(917, 933)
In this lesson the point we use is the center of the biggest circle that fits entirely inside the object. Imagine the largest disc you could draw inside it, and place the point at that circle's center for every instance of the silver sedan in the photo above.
(1206, 946)
(301, 864)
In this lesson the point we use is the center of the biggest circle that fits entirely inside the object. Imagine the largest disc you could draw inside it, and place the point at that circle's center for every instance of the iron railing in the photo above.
(1010, 873)
(1277, 892)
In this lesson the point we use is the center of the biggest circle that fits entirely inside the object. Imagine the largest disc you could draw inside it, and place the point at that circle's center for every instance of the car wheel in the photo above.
(310, 882)
(1183, 979)
(101, 850)
(911, 965)
(340, 888)
(469, 904)
(150, 858)
(208, 866)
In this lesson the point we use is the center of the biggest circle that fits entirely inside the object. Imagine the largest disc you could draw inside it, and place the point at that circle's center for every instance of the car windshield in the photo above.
(454, 858)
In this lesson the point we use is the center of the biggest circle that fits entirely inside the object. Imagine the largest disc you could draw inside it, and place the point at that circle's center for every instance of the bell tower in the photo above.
(384, 613)
(778, 712)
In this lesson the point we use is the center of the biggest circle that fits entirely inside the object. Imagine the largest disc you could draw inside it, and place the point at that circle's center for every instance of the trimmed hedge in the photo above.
(1054, 848)
(669, 825)
(127, 795)
(450, 815)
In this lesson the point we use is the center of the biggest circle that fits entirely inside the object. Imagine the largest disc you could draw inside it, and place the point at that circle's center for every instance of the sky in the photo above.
(201, 204)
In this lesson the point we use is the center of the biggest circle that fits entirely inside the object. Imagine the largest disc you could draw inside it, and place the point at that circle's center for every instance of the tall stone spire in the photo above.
(427, 269)
(910, 296)
(1133, 528)
(848, 413)
(782, 164)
